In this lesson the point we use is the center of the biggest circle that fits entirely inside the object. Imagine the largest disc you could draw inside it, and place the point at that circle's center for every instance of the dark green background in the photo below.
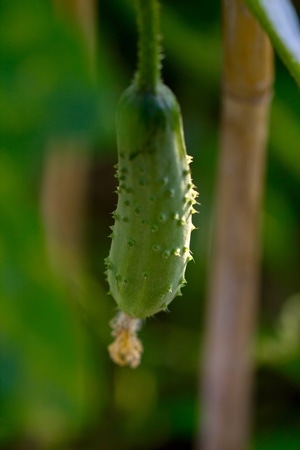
(58, 388)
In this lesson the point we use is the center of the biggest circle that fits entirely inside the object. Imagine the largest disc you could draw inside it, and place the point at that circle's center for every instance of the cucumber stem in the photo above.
(148, 73)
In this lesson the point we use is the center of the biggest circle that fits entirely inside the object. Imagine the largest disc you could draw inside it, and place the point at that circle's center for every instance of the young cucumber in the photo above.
(153, 220)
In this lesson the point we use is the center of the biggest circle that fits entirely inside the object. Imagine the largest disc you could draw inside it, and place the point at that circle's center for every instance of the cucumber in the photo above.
(150, 245)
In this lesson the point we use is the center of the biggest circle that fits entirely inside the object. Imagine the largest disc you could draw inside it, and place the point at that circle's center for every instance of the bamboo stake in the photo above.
(67, 165)
(233, 283)
(83, 13)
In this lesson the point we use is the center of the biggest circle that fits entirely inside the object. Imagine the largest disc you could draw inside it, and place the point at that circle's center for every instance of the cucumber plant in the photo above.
(150, 245)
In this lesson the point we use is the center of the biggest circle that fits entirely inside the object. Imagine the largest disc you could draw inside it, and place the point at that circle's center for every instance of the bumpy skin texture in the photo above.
(153, 220)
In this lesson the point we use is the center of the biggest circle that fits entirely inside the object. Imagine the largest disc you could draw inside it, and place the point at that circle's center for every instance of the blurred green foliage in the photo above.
(58, 388)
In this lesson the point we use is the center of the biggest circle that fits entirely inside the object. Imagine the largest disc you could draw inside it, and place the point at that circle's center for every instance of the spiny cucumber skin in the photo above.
(153, 220)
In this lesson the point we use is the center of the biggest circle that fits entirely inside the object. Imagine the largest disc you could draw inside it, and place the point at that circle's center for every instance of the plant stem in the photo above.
(233, 284)
(148, 73)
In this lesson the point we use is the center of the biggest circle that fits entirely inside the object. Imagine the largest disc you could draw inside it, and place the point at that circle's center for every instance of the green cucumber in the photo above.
(156, 197)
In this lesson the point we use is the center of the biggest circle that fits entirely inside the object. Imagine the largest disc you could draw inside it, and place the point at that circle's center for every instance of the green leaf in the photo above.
(280, 21)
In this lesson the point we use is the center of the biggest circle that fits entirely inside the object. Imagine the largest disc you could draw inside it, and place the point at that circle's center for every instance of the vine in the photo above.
(148, 74)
